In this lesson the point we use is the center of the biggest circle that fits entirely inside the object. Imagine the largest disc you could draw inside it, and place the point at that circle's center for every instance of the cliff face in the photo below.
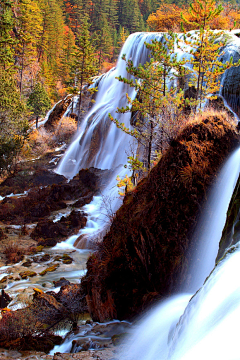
(231, 231)
(143, 256)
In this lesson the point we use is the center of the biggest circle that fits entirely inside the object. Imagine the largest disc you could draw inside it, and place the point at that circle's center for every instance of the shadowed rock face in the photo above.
(144, 254)
(57, 113)
(231, 231)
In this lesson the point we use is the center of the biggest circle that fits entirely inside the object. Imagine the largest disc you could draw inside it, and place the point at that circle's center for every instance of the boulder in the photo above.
(73, 298)
(61, 282)
(57, 113)
(5, 299)
(49, 233)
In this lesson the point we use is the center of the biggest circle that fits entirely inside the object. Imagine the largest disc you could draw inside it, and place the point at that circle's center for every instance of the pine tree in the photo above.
(206, 47)
(13, 122)
(39, 101)
(85, 61)
(157, 108)
(103, 42)
(7, 41)
(29, 30)
(51, 45)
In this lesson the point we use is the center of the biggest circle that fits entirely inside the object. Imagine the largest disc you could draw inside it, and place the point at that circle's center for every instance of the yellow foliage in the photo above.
(168, 17)
(125, 185)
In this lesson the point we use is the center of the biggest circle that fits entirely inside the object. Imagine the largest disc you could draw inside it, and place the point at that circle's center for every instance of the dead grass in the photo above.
(13, 253)
(41, 141)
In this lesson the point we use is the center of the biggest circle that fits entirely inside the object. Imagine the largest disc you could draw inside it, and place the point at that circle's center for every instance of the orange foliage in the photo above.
(168, 17)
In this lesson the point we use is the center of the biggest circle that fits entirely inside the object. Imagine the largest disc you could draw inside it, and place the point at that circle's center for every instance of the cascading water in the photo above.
(201, 330)
(99, 143)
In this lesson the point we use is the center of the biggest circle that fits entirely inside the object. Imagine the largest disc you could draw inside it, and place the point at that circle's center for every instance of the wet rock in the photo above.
(57, 113)
(61, 282)
(49, 233)
(5, 299)
(49, 269)
(3, 280)
(84, 344)
(83, 201)
(231, 231)
(27, 274)
(218, 104)
(48, 307)
(39, 203)
(40, 259)
(27, 263)
(72, 297)
(66, 259)
(24, 180)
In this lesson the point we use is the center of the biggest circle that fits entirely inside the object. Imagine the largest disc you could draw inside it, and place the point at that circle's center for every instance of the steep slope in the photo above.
(144, 255)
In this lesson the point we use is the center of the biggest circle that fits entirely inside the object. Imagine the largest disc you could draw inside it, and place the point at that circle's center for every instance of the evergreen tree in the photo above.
(29, 30)
(39, 101)
(206, 46)
(7, 41)
(13, 122)
(103, 42)
(85, 61)
(157, 107)
(51, 45)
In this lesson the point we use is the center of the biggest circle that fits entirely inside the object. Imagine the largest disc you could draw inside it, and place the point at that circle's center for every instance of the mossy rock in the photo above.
(26, 274)
(118, 339)
(66, 259)
(3, 280)
(27, 263)
(49, 269)
(58, 258)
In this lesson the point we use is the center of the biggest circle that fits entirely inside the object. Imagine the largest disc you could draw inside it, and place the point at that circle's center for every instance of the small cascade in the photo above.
(207, 325)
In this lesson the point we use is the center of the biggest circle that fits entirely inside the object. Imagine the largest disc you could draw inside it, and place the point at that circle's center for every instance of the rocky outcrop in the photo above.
(49, 233)
(144, 255)
(5, 299)
(57, 113)
(39, 203)
(231, 231)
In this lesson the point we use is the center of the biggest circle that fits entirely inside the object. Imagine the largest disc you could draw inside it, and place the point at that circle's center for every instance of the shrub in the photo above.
(13, 253)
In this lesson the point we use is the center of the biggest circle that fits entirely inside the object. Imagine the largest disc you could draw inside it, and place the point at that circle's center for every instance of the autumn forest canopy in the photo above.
(40, 40)
(50, 48)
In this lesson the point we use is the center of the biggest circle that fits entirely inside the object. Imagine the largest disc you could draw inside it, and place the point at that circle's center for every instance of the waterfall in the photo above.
(100, 144)
(206, 328)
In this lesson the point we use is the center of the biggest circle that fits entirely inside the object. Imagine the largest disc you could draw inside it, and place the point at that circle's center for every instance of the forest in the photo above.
(49, 49)
(109, 189)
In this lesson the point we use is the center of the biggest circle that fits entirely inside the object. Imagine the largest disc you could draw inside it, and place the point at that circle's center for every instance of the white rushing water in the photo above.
(99, 143)
(211, 223)
(208, 327)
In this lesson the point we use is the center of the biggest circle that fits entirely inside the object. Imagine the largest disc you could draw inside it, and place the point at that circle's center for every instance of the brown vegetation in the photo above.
(144, 255)
(13, 253)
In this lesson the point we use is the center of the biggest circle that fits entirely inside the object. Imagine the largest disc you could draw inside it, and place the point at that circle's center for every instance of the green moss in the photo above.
(4, 279)
(49, 269)
(27, 274)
